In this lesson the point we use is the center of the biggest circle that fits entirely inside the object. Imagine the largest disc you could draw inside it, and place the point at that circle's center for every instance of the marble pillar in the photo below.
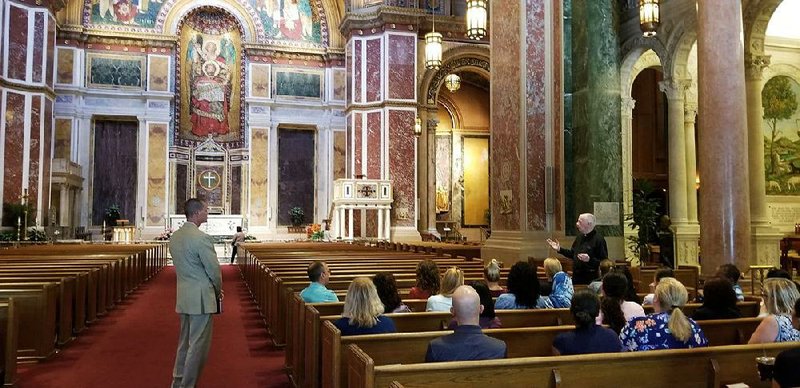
(526, 116)
(724, 189)
(765, 244)
(687, 238)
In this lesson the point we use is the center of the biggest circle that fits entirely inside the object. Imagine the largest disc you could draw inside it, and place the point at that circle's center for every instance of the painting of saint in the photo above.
(289, 20)
(210, 81)
(135, 13)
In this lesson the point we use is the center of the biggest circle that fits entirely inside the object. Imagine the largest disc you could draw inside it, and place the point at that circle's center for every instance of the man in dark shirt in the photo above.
(467, 341)
(588, 250)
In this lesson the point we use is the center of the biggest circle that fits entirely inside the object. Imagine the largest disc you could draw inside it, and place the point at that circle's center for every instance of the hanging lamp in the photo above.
(476, 19)
(452, 82)
(649, 17)
(433, 46)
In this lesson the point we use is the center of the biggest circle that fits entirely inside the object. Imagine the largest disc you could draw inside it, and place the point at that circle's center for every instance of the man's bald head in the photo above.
(467, 306)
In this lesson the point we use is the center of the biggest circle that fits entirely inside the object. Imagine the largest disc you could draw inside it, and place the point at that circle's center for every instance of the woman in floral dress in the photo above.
(668, 327)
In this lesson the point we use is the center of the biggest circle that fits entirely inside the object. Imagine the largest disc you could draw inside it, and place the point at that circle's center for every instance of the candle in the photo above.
(19, 220)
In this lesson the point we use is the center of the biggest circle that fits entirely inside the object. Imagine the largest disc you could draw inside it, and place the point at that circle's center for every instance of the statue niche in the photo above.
(209, 79)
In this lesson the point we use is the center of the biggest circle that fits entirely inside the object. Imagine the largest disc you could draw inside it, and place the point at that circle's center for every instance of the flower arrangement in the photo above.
(165, 235)
(315, 232)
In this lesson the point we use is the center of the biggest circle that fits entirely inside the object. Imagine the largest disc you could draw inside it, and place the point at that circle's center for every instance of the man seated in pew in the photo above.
(605, 267)
(588, 336)
(663, 272)
(492, 275)
(730, 272)
(588, 249)
(427, 280)
(443, 301)
(363, 311)
(615, 311)
(467, 341)
(561, 290)
(668, 327)
(523, 290)
(488, 318)
(719, 301)
(199, 292)
(317, 292)
(387, 291)
(780, 296)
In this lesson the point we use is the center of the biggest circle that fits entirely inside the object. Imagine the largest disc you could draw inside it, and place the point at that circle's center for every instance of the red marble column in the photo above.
(722, 142)
(26, 106)
(381, 143)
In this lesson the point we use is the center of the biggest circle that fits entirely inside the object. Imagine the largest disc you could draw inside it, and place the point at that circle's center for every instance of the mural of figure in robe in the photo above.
(289, 19)
(210, 82)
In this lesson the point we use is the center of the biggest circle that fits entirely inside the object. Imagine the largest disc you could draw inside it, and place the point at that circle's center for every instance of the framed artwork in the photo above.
(259, 80)
(128, 13)
(339, 84)
(114, 71)
(298, 84)
(296, 20)
(65, 65)
(158, 73)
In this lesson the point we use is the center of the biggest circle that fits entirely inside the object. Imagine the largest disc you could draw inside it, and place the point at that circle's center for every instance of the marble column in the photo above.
(687, 238)
(765, 248)
(381, 54)
(64, 208)
(724, 189)
(430, 191)
(627, 180)
(674, 89)
(526, 118)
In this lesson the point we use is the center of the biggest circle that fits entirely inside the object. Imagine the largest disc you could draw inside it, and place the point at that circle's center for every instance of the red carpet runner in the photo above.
(134, 345)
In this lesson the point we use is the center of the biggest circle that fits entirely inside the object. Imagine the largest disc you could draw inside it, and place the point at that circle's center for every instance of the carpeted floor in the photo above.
(134, 345)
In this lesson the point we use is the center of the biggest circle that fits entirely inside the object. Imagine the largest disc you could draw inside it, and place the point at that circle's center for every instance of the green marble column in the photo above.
(596, 151)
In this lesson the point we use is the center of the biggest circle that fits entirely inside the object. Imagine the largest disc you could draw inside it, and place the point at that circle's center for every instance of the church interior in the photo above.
(492, 124)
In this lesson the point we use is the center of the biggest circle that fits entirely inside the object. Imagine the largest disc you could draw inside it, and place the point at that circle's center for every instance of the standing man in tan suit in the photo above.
(198, 295)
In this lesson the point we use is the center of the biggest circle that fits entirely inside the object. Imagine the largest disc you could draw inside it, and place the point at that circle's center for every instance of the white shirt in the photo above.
(439, 302)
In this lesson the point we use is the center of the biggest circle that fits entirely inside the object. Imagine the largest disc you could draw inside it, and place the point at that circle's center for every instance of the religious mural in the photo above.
(289, 20)
(113, 70)
(210, 81)
(298, 84)
(135, 13)
(781, 135)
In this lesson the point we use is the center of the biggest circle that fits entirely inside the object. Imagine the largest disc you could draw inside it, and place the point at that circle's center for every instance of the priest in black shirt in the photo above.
(588, 249)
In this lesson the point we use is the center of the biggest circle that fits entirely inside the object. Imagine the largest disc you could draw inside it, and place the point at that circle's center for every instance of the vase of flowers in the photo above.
(314, 232)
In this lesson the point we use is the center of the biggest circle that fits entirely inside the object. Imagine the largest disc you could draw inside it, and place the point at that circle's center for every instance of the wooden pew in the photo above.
(410, 348)
(9, 331)
(36, 309)
(701, 367)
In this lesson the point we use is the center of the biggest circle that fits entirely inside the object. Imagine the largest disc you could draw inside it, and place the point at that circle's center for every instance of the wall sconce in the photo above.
(417, 127)
(452, 82)
(697, 182)
(649, 17)
(476, 19)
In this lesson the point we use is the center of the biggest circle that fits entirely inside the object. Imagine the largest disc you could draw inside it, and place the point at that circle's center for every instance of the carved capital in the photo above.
(628, 104)
(675, 89)
(689, 112)
(754, 65)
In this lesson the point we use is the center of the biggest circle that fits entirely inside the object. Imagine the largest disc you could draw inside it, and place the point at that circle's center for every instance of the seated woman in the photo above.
(630, 294)
(492, 275)
(488, 319)
(719, 301)
(362, 313)
(780, 296)
(663, 272)
(387, 290)
(668, 327)
(605, 267)
(452, 279)
(561, 294)
(427, 280)
(523, 287)
(615, 311)
(588, 336)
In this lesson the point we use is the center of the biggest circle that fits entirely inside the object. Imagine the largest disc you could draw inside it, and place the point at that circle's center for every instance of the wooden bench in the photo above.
(9, 331)
(36, 309)
(700, 367)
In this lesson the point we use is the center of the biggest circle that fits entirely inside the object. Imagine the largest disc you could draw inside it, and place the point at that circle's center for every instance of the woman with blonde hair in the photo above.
(562, 291)
(492, 274)
(779, 295)
(363, 311)
(668, 327)
(443, 301)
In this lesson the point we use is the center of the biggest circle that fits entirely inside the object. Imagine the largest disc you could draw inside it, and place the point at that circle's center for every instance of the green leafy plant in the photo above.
(644, 219)
(13, 212)
(297, 216)
(112, 215)
(36, 234)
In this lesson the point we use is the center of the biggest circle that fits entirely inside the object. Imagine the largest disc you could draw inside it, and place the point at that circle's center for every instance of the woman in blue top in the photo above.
(561, 294)
(668, 327)
(523, 287)
(362, 313)
(780, 296)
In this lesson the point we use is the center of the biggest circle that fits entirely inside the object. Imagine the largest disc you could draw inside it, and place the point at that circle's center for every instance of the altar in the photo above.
(217, 224)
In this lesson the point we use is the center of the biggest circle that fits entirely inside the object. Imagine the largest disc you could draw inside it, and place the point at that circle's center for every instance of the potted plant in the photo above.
(297, 216)
(644, 219)
(112, 215)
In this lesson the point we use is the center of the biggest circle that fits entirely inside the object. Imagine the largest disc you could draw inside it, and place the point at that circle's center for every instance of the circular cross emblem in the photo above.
(208, 179)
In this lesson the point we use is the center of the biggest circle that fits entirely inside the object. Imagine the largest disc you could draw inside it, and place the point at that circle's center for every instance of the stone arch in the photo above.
(684, 65)
(174, 11)
(469, 57)
(755, 20)
(786, 69)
